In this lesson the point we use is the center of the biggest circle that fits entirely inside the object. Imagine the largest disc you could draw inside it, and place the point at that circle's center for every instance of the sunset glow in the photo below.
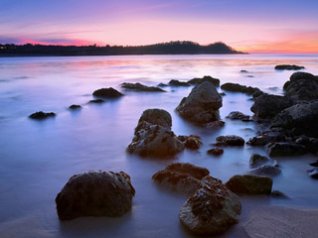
(272, 27)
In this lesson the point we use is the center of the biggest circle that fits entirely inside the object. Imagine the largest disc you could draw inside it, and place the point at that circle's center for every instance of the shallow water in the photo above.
(37, 158)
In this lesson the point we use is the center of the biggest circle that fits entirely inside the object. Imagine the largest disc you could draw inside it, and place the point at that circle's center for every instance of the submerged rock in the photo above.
(257, 160)
(250, 184)
(302, 86)
(285, 149)
(181, 177)
(235, 87)
(95, 194)
(266, 170)
(215, 151)
(313, 173)
(191, 142)
(202, 104)
(300, 119)
(267, 106)
(239, 116)
(42, 115)
(153, 135)
(75, 107)
(196, 81)
(230, 140)
(141, 88)
(107, 93)
(213, 209)
(215, 124)
(96, 101)
(177, 83)
(288, 67)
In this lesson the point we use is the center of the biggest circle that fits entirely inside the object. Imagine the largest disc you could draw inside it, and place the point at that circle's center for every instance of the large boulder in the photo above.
(299, 119)
(213, 209)
(196, 81)
(107, 93)
(181, 177)
(267, 106)
(153, 135)
(302, 86)
(141, 88)
(95, 194)
(250, 184)
(279, 149)
(202, 104)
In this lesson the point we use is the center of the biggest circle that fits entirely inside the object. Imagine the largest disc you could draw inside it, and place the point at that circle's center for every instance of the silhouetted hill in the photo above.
(174, 47)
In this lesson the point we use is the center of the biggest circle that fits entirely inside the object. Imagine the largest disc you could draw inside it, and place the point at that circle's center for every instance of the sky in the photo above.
(271, 26)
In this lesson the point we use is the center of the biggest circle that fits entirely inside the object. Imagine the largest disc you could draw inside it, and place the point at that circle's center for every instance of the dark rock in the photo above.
(191, 142)
(156, 116)
(95, 194)
(267, 106)
(250, 184)
(196, 81)
(153, 135)
(141, 88)
(239, 116)
(313, 173)
(300, 119)
(181, 177)
(311, 144)
(278, 194)
(215, 124)
(177, 83)
(266, 170)
(75, 107)
(41, 115)
(96, 101)
(162, 85)
(230, 140)
(213, 209)
(257, 160)
(285, 149)
(215, 151)
(243, 71)
(288, 67)
(314, 164)
(266, 137)
(234, 87)
(202, 104)
(107, 93)
(302, 86)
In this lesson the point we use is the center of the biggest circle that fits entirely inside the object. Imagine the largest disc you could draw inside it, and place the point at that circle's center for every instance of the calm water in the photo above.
(37, 158)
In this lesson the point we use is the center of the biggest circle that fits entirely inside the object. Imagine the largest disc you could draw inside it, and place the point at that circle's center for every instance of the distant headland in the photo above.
(171, 48)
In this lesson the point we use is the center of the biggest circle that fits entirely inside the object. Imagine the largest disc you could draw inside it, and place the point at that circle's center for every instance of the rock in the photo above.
(162, 85)
(300, 119)
(278, 194)
(266, 170)
(230, 140)
(257, 160)
(75, 107)
(191, 142)
(96, 101)
(181, 177)
(156, 116)
(215, 151)
(266, 137)
(234, 87)
(141, 88)
(288, 67)
(196, 81)
(42, 115)
(311, 144)
(285, 149)
(250, 184)
(202, 104)
(107, 93)
(177, 83)
(243, 71)
(302, 86)
(313, 173)
(239, 116)
(267, 106)
(95, 194)
(153, 135)
(215, 124)
(314, 164)
(213, 209)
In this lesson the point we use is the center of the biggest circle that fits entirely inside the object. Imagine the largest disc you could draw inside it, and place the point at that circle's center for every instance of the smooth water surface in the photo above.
(38, 157)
